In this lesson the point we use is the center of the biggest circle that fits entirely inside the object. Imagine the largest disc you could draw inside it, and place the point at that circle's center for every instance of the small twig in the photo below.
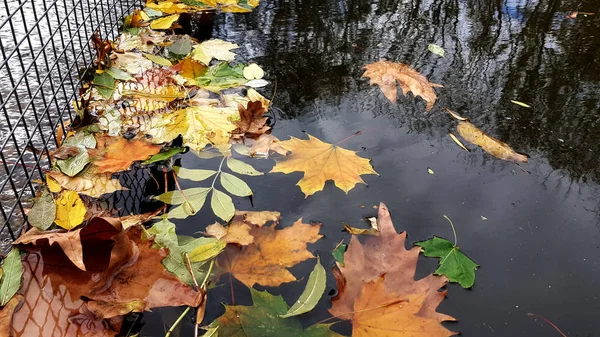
(183, 194)
(357, 133)
(188, 263)
(177, 321)
(453, 230)
(548, 321)
(152, 176)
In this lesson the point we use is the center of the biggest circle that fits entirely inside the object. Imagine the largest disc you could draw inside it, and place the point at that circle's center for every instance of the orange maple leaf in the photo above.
(368, 299)
(113, 154)
(385, 74)
(266, 259)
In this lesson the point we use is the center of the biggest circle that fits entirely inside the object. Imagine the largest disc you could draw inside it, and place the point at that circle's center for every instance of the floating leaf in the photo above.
(207, 251)
(164, 22)
(235, 185)
(262, 320)
(453, 263)
(253, 71)
(521, 104)
(222, 205)
(114, 154)
(6, 315)
(240, 167)
(360, 231)
(385, 74)
(320, 162)
(434, 48)
(119, 74)
(338, 253)
(215, 48)
(73, 165)
(88, 182)
(181, 46)
(458, 142)
(193, 174)
(164, 155)
(430, 171)
(190, 201)
(70, 210)
(105, 84)
(43, 212)
(12, 270)
(158, 60)
(488, 143)
(315, 287)
(257, 83)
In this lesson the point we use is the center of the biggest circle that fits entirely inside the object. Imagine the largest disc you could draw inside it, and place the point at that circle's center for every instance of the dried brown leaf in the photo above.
(488, 143)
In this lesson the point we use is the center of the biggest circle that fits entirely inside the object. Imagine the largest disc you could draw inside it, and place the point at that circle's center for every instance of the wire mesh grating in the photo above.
(46, 48)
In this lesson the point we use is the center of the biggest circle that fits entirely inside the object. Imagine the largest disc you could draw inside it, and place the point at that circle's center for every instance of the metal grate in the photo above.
(45, 48)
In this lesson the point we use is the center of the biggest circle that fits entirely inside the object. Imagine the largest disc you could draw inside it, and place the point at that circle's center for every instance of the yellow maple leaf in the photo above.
(385, 74)
(199, 126)
(164, 22)
(320, 162)
(70, 210)
(215, 48)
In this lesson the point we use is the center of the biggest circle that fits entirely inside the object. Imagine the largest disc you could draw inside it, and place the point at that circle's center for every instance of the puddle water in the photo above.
(535, 235)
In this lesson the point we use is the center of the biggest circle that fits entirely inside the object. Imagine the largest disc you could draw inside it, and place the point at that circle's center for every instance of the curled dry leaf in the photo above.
(488, 143)
(265, 261)
(361, 278)
(322, 161)
(385, 74)
(252, 121)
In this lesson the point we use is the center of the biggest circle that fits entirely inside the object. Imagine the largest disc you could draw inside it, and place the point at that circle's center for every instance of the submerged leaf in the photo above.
(12, 271)
(453, 263)
(315, 287)
(322, 161)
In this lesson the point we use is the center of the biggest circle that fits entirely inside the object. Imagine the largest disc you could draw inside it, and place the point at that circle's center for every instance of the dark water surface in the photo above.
(539, 247)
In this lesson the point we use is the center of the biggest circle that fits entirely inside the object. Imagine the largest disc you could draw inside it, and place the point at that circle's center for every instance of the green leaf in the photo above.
(222, 76)
(119, 74)
(315, 287)
(262, 320)
(190, 200)
(430, 171)
(164, 155)
(195, 3)
(222, 205)
(158, 60)
(235, 185)
(434, 48)
(152, 13)
(105, 84)
(72, 166)
(195, 175)
(43, 212)
(453, 263)
(240, 167)
(181, 46)
(165, 236)
(338, 253)
(83, 139)
(12, 271)
(207, 251)
(521, 104)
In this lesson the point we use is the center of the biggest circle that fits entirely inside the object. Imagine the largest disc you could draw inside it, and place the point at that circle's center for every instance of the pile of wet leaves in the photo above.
(81, 268)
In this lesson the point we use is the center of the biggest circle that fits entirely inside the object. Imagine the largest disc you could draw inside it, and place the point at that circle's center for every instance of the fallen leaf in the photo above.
(114, 154)
(222, 204)
(434, 48)
(215, 48)
(262, 320)
(199, 126)
(105, 84)
(190, 69)
(320, 162)
(73, 165)
(190, 201)
(43, 212)
(181, 46)
(453, 263)
(315, 287)
(89, 182)
(131, 62)
(338, 253)
(265, 144)
(12, 270)
(430, 171)
(235, 232)
(458, 142)
(240, 167)
(397, 298)
(252, 121)
(158, 60)
(113, 309)
(207, 251)
(385, 74)
(164, 22)
(253, 71)
(521, 104)
(380, 313)
(265, 261)
(360, 231)
(72, 242)
(6, 315)
(65, 152)
(70, 210)
(488, 143)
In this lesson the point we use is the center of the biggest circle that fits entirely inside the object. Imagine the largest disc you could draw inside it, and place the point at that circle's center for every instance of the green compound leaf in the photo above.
(190, 201)
(315, 287)
(222, 205)
(453, 263)
(235, 185)
(12, 271)
(240, 167)
(195, 175)
(262, 320)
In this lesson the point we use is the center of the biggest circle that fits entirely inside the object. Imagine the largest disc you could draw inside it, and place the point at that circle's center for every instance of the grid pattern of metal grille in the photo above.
(45, 47)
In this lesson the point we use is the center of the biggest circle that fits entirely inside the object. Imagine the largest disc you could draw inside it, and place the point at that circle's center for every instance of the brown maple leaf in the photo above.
(379, 255)
(114, 154)
(265, 261)
(385, 74)
(252, 121)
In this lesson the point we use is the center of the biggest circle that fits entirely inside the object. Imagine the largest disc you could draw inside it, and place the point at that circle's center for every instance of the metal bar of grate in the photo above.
(43, 47)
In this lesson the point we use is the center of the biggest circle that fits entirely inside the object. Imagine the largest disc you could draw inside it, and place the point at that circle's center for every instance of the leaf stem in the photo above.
(453, 230)
(212, 263)
(354, 135)
(183, 194)
(177, 321)
(188, 263)
(217, 175)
